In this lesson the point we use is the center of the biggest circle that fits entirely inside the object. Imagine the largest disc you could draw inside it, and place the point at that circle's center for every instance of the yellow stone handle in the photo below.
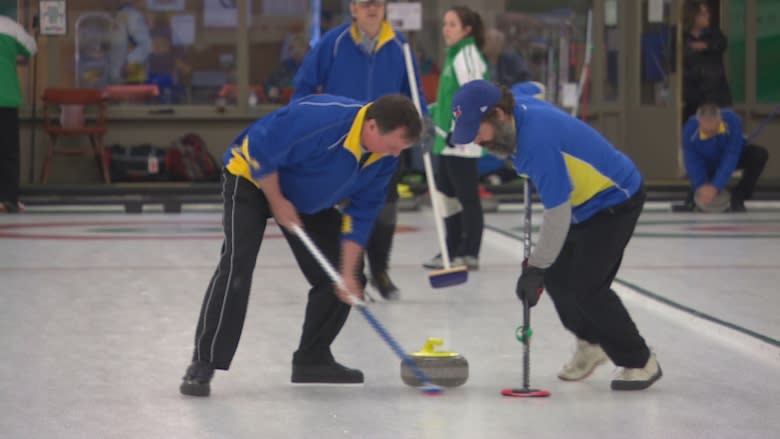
(430, 344)
(429, 349)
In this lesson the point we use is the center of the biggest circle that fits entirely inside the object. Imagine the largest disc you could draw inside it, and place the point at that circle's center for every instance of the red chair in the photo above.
(70, 122)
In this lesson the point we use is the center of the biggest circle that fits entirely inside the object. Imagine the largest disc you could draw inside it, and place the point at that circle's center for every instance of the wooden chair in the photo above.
(70, 122)
(131, 93)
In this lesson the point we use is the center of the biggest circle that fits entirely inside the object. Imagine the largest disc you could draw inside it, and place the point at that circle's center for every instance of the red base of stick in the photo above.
(525, 393)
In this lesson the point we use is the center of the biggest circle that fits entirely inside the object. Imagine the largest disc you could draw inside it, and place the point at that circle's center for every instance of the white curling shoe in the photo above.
(638, 378)
(587, 357)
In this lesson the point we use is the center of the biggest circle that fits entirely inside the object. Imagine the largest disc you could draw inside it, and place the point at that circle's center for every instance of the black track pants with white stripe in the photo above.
(579, 283)
(221, 321)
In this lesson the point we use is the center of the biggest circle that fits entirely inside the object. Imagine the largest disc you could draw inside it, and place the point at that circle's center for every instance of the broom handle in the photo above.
(33, 107)
(585, 66)
(762, 125)
(526, 308)
(434, 193)
(360, 305)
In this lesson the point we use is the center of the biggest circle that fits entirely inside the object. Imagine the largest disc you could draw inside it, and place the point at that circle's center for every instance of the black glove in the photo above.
(530, 285)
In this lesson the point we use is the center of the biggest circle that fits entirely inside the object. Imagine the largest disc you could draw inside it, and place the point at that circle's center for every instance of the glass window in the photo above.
(158, 52)
(657, 53)
(612, 50)
(736, 49)
(767, 51)
(551, 36)
(279, 37)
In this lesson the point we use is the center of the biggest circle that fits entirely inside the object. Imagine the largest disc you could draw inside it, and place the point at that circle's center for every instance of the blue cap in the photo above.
(470, 103)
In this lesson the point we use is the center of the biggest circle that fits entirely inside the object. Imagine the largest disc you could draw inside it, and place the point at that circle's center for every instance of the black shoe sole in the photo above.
(316, 375)
(326, 383)
(637, 385)
(311, 379)
(194, 389)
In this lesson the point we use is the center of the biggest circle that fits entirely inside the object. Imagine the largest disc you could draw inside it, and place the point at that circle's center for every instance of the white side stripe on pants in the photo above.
(199, 338)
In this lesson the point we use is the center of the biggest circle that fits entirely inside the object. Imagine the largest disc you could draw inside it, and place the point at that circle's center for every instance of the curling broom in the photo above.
(524, 332)
(447, 276)
(426, 386)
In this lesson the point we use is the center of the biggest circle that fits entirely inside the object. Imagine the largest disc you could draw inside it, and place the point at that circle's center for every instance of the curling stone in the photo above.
(721, 203)
(446, 369)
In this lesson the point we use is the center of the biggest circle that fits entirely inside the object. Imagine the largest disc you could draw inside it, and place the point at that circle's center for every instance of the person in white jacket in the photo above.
(131, 44)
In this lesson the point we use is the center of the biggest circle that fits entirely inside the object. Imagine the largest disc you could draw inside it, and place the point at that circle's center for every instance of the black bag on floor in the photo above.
(137, 163)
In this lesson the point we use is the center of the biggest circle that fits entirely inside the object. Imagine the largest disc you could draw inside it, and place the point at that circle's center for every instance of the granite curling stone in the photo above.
(721, 203)
(446, 369)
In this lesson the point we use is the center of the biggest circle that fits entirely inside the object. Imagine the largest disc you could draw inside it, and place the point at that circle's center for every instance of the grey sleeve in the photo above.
(555, 227)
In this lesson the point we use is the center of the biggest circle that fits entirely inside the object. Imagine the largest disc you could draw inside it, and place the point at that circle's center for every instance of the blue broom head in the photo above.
(448, 278)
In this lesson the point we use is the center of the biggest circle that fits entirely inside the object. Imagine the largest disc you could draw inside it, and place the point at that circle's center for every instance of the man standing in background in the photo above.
(363, 60)
(505, 65)
(15, 44)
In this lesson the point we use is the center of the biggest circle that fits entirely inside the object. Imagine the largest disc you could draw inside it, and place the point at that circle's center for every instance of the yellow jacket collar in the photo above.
(386, 34)
(721, 130)
(352, 142)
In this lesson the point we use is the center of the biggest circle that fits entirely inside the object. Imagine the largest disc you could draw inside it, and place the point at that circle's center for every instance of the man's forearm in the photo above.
(351, 252)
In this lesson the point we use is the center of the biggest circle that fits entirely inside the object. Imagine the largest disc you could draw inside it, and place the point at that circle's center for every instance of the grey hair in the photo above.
(709, 111)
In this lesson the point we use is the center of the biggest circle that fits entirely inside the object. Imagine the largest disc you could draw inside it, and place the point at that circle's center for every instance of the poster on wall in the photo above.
(183, 30)
(165, 5)
(222, 13)
(655, 11)
(405, 16)
(610, 13)
(53, 21)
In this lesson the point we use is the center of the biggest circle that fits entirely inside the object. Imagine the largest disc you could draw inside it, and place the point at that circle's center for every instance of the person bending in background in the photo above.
(592, 196)
(16, 45)
(713, 147)
(296, 164)
(363, 60)
(458, 174)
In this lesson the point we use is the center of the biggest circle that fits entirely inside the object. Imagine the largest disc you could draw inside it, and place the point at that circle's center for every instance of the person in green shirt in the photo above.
(15, 44)
(458, 173)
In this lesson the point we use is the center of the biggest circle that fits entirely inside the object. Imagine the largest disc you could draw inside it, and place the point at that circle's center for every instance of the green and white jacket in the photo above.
(14, 41)
(464, 63)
